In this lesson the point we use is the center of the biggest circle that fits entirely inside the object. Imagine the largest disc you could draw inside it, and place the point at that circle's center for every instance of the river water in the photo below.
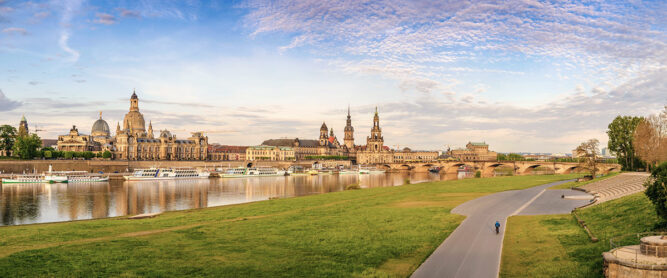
(40, 203)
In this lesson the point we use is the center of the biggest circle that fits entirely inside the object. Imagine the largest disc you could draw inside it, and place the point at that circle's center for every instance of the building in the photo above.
(273, 153)
(375, 151)
(135, 142)
(23, 127)
(224, 152)
(77, 142)
(407, 155)
(474, 151)
(99, 139)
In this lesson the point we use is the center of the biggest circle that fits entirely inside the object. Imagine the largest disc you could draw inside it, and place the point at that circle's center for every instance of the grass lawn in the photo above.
(555, 246)
(571, 184)
(371, 232)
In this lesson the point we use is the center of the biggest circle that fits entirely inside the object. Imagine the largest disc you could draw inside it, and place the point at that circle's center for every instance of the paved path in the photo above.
(473, 249)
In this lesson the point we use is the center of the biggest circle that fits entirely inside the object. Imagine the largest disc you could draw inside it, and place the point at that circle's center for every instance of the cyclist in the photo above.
(497, 227)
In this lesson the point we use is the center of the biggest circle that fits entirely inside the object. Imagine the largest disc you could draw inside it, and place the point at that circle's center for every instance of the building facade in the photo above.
(474, 151)
(407, 155)
(76, 142)
(223, 153)
(273, 153)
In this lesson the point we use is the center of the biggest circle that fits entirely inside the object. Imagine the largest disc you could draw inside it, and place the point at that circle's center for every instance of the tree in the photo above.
(650, 139)
(7, 138)
(48, 154)
(656, 189)
(26, 147)
(68, 155)
(621, 137)
(106, 154)
(588, 155)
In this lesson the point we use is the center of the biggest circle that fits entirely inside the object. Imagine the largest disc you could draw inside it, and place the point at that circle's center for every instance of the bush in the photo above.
(478, 174)
(68, 155)
(88, 155)
(406, 181)
(353, 186)
(48, 154)
(656, 190)
(106, 154)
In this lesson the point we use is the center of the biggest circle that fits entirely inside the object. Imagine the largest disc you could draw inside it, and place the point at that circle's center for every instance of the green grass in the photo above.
(555, 246)
(372, 232)
(572, 184)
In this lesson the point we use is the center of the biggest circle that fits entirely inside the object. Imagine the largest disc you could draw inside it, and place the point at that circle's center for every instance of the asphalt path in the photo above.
(474, 248)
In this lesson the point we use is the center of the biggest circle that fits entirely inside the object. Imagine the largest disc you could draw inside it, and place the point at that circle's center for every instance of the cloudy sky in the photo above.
(521, 75)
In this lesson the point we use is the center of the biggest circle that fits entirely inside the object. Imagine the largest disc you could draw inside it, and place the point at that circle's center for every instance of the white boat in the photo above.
(26, 178)
(83, 176)
(167, 174)
(347, 172)
(252, 172)
(364, 171)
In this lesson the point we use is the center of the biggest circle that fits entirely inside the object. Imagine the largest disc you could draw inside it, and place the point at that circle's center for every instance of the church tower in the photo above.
(375, 142)
(23, 127)
(150, 129)
(349, 131)
(323, 134)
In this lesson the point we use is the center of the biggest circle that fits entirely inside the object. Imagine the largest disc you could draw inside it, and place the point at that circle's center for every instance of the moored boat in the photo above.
(167, 174)
(252, 172)
(26, 178)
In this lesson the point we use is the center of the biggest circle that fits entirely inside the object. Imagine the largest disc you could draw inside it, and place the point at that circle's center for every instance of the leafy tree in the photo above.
(620, 132)
(68, 155)
(501, 157)
(106, 154)
(7, 137)
(515, 157)
(588, 154)
(88, 155)
(656, 189)
(48, 154)
(26, 147)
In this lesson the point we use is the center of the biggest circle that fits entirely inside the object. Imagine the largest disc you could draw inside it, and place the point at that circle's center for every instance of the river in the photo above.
(40, 203)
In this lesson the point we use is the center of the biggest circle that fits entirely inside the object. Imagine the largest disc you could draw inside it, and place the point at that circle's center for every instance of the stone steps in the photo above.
(617, 187)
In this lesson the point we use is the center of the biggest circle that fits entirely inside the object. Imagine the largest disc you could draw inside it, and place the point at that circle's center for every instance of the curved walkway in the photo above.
(473, 249)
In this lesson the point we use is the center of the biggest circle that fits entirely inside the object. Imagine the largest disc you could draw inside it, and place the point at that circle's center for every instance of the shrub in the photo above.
(656, 189)
(106, 154)
(68, 155)
(48, 154)
(353, 186)
(88, 155)
(478, 174)
(406, 181)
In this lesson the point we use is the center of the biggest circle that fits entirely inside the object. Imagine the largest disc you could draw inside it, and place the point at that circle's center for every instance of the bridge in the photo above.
(487, 167)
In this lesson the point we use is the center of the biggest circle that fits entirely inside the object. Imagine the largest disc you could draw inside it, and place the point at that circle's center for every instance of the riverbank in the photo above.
(556, 246)
(385, 231)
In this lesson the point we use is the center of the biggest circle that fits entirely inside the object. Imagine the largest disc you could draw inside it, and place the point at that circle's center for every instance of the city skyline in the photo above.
(522, 76)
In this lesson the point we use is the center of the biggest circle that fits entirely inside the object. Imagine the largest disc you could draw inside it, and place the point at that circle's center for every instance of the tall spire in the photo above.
(348, 110)
(117, 128)
(100, 115)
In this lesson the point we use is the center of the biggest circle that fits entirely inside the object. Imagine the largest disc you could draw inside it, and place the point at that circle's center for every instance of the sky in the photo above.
(522, 76)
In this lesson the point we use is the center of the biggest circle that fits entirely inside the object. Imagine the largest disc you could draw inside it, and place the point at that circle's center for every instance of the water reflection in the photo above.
(38, 203)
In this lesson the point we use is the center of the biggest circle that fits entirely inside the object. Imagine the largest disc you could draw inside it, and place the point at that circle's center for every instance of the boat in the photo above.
(364, 171)
(83, 176)
(313, 172)
(167, 174)
(369, 170)
(25, 178)
(252, 172)
(347, 172)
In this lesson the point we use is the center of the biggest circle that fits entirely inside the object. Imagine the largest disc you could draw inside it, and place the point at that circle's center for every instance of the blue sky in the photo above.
(520, 75)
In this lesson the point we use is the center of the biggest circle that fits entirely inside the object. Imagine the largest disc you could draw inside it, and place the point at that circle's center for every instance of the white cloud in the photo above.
(15, 30)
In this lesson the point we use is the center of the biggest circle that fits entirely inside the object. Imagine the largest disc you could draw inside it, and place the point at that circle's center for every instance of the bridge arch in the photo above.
(488, 170)
(405, 167)
(569, 169)
(453, 169)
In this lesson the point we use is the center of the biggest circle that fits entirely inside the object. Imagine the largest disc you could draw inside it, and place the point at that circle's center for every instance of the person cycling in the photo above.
(497, 227)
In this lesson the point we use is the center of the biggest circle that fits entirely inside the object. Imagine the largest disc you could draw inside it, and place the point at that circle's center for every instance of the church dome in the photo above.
(100, 128)
(165, 134)
(135, 120)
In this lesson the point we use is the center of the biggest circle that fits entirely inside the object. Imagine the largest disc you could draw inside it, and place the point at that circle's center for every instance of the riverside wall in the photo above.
(110, 166)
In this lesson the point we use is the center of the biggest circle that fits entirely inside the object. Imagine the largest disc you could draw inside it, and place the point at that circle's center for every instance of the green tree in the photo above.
(620, 132)
(68, 155)
(588, 155)
(7, 138)
(48, 154)
(106, 154)
(515, 157)
(88, 155)
(656, 189)
(26, 147)
(501, 157)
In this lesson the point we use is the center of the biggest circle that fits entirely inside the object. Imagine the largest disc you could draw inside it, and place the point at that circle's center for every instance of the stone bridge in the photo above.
(487, 167)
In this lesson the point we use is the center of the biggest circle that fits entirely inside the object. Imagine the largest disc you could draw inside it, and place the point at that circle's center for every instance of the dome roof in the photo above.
(100, 128)
(165, 134)
(135, 120)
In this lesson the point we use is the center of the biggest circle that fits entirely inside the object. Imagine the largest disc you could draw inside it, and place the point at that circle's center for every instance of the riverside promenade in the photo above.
(474, 249)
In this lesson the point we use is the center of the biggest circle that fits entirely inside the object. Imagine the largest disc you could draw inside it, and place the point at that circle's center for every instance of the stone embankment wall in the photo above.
(110, 166)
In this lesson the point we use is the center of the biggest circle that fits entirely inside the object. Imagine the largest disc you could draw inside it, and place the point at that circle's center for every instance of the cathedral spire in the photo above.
(117, 128)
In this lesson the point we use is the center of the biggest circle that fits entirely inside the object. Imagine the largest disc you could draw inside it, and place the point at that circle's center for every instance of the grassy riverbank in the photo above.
(555, 246)
(371, 232)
